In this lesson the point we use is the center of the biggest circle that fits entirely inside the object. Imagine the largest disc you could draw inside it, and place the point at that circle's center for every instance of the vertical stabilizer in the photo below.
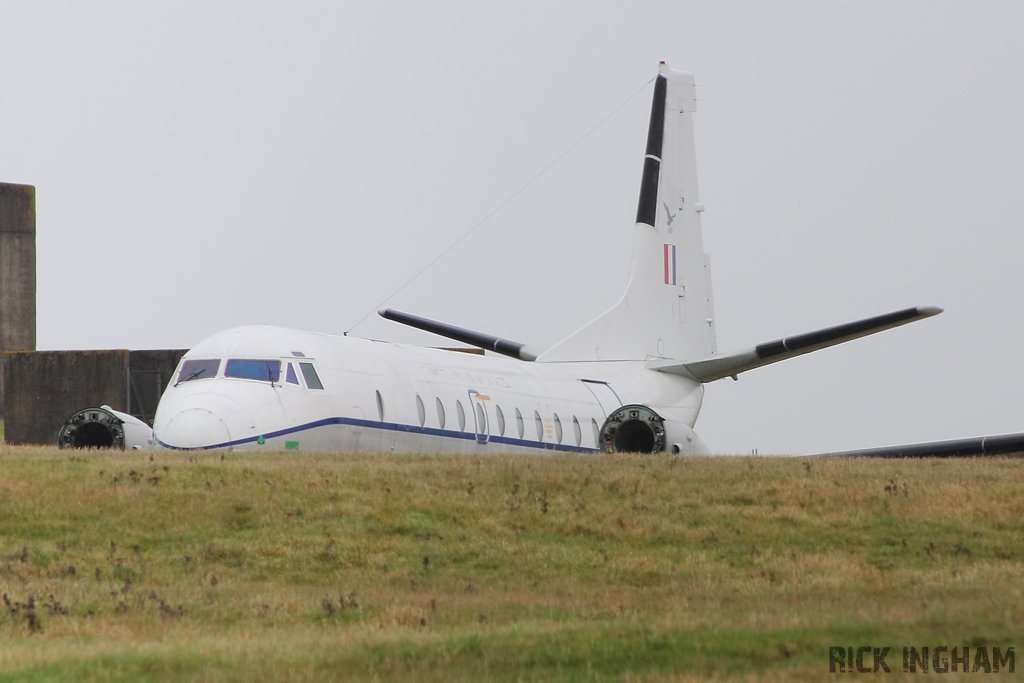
(666, 310)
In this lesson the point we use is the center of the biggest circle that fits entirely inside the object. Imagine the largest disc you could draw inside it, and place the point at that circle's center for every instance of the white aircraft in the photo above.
(631, 380)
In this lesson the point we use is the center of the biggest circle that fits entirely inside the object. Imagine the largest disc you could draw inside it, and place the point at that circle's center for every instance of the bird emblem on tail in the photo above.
(669, 215)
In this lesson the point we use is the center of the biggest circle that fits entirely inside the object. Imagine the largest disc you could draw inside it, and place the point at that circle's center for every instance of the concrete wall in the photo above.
(17, 269)
(44, 388)
(151, 371)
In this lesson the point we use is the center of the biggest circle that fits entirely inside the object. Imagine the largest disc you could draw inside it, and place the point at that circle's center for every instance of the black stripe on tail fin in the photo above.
(647, 207)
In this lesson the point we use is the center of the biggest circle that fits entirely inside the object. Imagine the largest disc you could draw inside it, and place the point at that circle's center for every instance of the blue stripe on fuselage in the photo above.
(392, 426)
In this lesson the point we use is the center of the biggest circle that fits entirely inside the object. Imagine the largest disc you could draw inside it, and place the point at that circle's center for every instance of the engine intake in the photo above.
(633, 429)
(104, 427)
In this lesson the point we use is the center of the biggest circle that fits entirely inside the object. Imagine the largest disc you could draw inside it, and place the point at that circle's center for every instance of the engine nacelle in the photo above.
(105, 427)
(639, 429)
(633, 429)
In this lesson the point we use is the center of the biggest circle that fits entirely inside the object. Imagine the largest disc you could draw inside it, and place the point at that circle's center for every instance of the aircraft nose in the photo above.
(201, 420)
(195, 428)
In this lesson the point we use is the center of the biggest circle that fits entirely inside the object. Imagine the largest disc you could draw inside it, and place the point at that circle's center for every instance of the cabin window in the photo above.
(558, 429)
(263, 370)
(577, 431)
(421, 412)
(198, 369)
(597, 433)
(290, 375)
(501, 420)
(520, 427)
(462, 415)
(440, 413)
(380, 406)
(540, 425)
(312, 379)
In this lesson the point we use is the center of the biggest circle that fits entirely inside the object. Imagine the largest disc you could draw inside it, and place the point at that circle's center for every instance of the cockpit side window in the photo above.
(312, 379)
(198, 369)
(289, 376)
(264, 370)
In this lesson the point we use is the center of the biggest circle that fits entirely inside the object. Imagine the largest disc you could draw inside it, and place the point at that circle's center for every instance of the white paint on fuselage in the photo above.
(224, 412)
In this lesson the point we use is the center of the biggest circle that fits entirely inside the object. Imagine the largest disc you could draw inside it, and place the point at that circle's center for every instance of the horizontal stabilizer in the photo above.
(730, 365)
(1004, 444)
(478, 339)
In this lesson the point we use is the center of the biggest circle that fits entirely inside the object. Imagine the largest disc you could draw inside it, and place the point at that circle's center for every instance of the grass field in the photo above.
(290, 566)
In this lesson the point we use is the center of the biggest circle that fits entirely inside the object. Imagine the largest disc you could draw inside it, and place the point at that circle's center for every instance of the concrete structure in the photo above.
(45, 388)
(17, 269)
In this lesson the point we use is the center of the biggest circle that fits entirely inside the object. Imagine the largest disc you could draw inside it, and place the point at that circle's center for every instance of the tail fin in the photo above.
(666, 310)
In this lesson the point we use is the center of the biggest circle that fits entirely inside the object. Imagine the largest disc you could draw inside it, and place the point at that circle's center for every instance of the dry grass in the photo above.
(297, 566)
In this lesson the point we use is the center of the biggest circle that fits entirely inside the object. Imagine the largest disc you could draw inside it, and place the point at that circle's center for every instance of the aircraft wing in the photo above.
(730, 365)
(1004, 444)
(479, 339)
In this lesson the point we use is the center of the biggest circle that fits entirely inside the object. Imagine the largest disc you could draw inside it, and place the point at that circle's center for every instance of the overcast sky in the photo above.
(202, 165)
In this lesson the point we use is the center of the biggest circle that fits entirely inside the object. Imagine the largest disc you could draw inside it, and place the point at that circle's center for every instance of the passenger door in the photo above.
(478, 404)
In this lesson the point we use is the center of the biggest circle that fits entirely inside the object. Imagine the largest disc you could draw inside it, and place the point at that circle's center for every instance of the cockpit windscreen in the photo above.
(198, 369)
(264, 370)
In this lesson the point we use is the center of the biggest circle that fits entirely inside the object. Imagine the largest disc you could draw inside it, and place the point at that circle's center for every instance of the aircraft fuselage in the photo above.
(252, 392)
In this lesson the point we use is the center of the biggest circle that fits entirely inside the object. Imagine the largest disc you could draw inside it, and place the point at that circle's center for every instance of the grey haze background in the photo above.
(201, 165)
